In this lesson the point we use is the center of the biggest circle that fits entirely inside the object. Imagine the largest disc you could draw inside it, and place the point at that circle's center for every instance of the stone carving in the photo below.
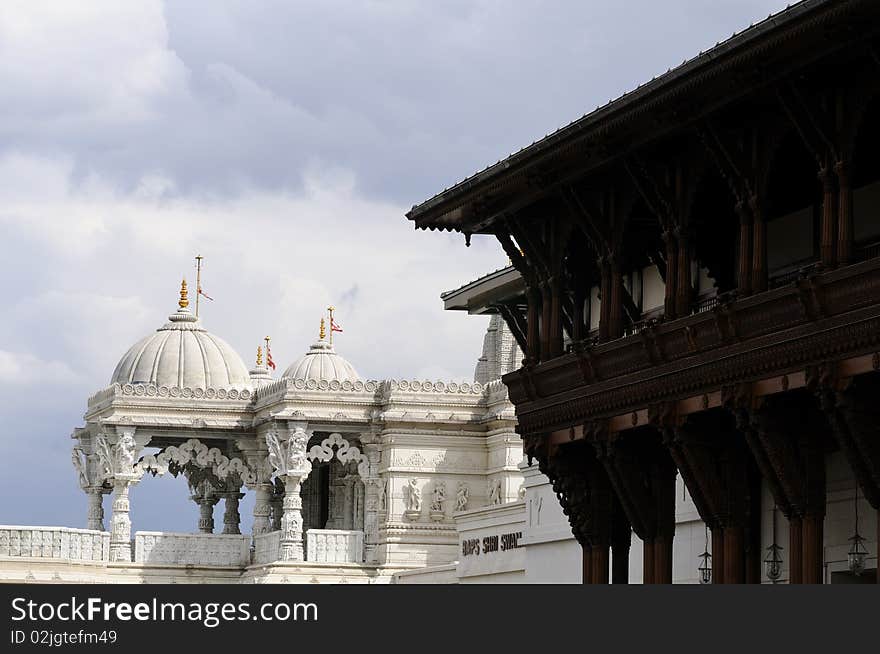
(383, 496)
(412, 496)
(288, 456)
(80, 464)
(345, 452)
(521, 493)
(195, 454)
(461, 497)
(494, 492)
(289, 459)
(438, 496)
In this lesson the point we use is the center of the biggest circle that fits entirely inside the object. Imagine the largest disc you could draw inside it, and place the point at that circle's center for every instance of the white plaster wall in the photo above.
(653, 289)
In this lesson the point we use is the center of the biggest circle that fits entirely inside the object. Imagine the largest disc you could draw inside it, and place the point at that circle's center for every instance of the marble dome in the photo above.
(183, 353)
(321, 363)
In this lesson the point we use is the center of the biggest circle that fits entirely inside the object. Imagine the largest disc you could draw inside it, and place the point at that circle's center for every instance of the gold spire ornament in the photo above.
(322, 333)
(184, 296)
(259, 356)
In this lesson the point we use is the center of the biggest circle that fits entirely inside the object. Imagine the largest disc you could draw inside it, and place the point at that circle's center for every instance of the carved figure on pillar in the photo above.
(461, 497)
(287, 456)
(412, 500)
(116, 453)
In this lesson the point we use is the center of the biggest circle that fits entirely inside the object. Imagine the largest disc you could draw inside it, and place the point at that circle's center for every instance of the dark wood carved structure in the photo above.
(716, 165)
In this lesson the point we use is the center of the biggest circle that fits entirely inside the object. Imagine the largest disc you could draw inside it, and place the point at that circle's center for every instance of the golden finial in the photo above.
(322, 333)
(259, 355)
(184, 301)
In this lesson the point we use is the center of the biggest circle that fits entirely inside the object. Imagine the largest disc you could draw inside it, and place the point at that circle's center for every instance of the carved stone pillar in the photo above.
(276, 503)
(120, 522)
(231, 516)
(374, 487)
(261, 484)
(206, 513)
(348, 506)
(117, 454)
(291, 521)
(287, 456)
(95, 495)
(262, 496)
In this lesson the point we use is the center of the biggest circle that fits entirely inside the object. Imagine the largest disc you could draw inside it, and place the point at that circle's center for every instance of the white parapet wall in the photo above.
(63, 543)
(334, 546)
(157, 547)
(490, 544)
(267, 547)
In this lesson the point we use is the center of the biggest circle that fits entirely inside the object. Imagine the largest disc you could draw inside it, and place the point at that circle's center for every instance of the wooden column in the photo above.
(648, 561)
(556, 341)
(759, 249)
(587, 553)
(718, 555)
(684, 282)
(578, 327)
(795, 551)
(813, 536)
(546, 320)
(734, 555)
(621, 540)
(604, 299)
(844, 215)
(533, 297)
(827, 245)
(615, 318)
(671, 284)
(600, 564)
(744, 256)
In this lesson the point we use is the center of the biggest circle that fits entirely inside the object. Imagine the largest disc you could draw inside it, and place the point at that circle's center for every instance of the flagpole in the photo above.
(198, 281)
(330, 309)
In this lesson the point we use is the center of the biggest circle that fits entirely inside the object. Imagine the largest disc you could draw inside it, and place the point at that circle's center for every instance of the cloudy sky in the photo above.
(283, 141)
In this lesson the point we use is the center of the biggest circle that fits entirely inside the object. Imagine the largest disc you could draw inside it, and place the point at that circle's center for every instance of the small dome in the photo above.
(182, 353)
(321, 363)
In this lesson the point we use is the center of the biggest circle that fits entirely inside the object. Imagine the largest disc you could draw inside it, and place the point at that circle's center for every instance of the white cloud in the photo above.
(25, 369)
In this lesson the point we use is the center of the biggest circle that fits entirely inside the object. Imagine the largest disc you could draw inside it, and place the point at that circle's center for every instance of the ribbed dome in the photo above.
(321, 363)
(182, 353)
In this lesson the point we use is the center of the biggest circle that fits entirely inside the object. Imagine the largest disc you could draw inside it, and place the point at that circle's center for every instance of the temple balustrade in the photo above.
(334, 546)
(54, 543)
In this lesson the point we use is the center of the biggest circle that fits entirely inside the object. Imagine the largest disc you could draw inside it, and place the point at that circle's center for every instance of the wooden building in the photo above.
(701, 292)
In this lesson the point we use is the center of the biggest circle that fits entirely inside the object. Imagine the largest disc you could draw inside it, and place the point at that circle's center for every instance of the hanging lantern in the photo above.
(705, 567)
(773, 562)
(857, 553)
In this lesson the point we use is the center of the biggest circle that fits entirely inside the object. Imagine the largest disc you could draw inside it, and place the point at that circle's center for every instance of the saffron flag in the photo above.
(269, 362)
(334, 327)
